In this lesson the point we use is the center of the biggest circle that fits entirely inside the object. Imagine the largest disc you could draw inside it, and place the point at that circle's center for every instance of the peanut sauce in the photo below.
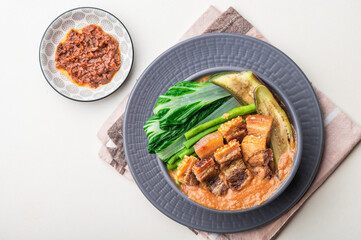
(253, 192)
(88, 57)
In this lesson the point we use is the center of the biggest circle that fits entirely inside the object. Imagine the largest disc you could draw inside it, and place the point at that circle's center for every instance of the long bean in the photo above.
(175, 157)
(187, 151)
(239, 111)
(190, 142)
(173, 165)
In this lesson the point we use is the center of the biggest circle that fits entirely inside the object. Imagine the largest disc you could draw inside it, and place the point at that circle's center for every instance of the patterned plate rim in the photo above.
(115, 89)
(276, 215)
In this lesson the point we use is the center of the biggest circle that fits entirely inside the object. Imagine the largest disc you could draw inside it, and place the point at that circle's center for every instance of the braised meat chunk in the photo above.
(207, 173)
(233, 129)
(206, 146)
(217, 186)
(257, 157)
(260, 126)
(205, 170)
(259, 164)
(236, 174)
(261, 158)
(229, 152)
(184, 172)
(252, 144)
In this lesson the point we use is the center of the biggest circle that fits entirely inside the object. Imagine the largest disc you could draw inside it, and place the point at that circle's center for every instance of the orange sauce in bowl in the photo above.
(254, 190)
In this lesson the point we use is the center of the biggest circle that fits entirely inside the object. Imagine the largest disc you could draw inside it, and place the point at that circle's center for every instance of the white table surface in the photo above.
(54, 186)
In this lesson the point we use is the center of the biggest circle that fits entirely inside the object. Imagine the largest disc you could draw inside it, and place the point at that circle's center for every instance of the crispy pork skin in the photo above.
(205, 170)
(229, 152)
(233, 129)
(184, 172)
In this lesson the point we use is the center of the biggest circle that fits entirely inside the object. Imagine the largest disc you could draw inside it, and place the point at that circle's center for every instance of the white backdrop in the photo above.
(54, 186)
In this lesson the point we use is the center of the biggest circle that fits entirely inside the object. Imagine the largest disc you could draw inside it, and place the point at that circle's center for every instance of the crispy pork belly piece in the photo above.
(229, 152)
(207, 145)
(205, 170)
(252, 144)
(259, 125)
(235, 174)
(207, 173)
(257, 158)
(184, 172)
(233, 129)
(217, 186)
(261, 158)
(259, 163)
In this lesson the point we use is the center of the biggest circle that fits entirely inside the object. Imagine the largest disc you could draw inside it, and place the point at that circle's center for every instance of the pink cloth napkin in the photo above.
(337, 126)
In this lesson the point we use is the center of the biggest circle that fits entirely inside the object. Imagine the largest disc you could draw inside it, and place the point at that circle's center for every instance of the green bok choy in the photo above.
(179, 109)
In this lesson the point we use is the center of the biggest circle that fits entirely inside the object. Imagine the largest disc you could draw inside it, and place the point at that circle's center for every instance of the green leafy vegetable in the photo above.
(180, 109)
(185, 99)
(173, 148)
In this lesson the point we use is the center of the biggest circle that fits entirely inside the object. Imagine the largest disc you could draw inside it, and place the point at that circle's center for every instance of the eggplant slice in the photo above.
(282, 138)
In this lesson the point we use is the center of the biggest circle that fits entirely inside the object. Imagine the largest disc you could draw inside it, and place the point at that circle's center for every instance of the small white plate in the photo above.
(78, 18)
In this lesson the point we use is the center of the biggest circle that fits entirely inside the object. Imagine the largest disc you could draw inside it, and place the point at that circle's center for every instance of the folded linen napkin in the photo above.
(337, 126)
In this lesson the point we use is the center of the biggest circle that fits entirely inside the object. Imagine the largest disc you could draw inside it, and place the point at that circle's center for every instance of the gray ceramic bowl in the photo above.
(294, 119)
